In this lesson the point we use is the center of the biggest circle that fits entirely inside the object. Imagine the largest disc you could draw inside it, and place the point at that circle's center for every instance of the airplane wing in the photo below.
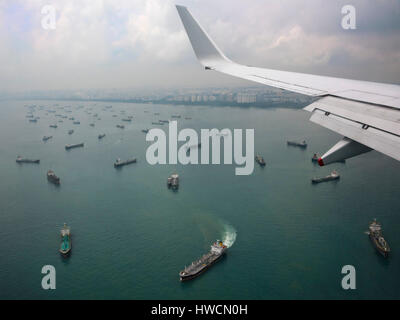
(366, 113)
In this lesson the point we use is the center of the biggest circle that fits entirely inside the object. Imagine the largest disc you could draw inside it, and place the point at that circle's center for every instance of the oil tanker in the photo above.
(218, 249)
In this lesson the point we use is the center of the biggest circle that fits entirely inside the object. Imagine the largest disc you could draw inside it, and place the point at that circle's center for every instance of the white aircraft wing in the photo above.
(366, 113)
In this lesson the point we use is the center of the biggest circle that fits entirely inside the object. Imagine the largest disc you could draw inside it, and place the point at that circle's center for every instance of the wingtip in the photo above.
(178, 6)
(321, 162)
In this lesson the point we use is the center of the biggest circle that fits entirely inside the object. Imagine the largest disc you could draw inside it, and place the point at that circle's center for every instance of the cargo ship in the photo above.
(379, 242)
(218, 249)
(333, 176)
(51, 176)
(24, 160)
(71, 146)
(302, 144)
(120, 163)
(260, 160)
(66, 243)
(173, 181)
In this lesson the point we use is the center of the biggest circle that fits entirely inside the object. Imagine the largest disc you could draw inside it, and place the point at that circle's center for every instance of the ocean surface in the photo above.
(131, 235)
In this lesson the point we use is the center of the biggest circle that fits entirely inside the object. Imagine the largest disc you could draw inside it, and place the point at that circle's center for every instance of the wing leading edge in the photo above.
(366, 113)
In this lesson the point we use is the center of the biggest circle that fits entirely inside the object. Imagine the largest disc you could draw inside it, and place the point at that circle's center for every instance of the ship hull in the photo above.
(195, 275)
(124, 163)
(382, 251)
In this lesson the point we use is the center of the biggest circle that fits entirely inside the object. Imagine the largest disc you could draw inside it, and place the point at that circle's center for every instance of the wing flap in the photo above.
(382, 118)
(373, 138)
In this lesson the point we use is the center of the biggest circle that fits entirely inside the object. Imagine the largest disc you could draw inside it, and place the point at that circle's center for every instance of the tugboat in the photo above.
(375, 234)
(23, 160)
(66, 243)
(302, 144)
(173, 181)
(51, 176)
(260, 160)
(218, 249)
(333, 176)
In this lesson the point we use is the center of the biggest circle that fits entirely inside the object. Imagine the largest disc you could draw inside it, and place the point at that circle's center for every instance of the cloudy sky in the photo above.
(141, 43)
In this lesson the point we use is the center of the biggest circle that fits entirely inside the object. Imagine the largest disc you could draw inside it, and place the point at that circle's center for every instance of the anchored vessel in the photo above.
(314, 158)
(71, 146)
(51, 176)
(127, 119)
(302, 144)
(92, 124)
(173, 181)
(120, 126)
(260, 160)
(53, 126)
(145, 130)
(196, 268)
(333, 176)
(65, 246)
(24, 160)
(70, 131)
(120, 163)
(45, 138)
(76, 122)
(101, 136)
(375, 234)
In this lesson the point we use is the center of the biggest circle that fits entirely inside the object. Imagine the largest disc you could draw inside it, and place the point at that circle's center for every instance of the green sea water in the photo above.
(131, 236)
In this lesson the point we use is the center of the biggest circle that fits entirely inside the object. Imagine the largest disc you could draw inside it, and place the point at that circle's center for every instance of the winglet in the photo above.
(204, 47)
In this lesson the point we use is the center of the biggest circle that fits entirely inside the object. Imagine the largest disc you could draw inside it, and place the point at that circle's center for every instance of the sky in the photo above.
(142, 44)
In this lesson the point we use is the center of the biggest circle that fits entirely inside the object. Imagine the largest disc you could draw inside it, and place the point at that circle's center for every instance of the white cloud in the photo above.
(107, 43)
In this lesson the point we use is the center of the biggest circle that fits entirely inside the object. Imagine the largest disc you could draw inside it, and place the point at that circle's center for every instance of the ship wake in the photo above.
(229, 235)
